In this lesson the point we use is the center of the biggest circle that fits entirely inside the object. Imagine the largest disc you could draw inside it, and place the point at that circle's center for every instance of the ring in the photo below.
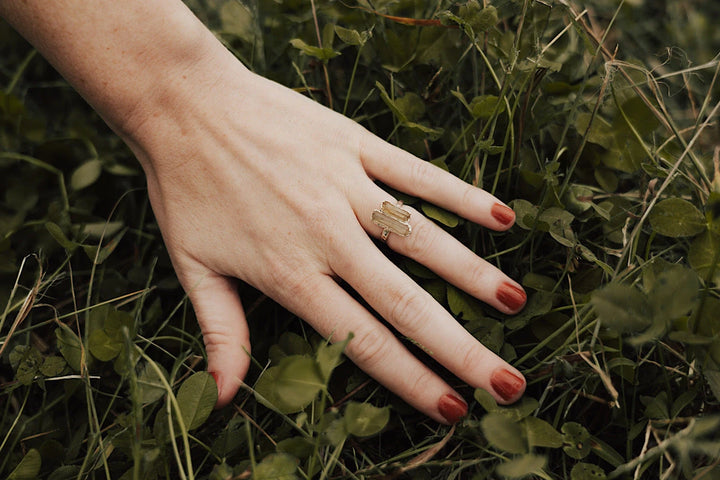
(392, 219)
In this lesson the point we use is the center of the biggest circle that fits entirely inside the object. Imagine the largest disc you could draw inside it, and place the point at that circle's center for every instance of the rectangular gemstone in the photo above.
(395, 211)
(384, 220)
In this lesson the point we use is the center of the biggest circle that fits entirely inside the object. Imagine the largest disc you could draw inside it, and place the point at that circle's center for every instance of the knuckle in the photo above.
(369, 349)
(419, 385)
(473, 358)
(478, 274)
(422, 242)
(410, 311)
(285, 282)
(467, 196)
(421, 174)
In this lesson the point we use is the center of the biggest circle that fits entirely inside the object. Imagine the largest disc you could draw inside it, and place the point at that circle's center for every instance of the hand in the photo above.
(253, 181)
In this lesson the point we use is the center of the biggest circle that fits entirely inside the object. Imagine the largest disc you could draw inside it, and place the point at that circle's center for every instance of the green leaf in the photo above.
(65, 472)
(104, 252)
(675, 217)
(432, 133)
(622, 308)
(222, 471)
(86, 174)
(28, 468)
(486, 400)
(353, 37)
(70, 346)
(411, 106)
(576, 439)
(335, 430)
(237, 20)
(17, 354)
(288, 344)
(463, 305)
(703, 256)
(59, 236)
(276, 466)
(639, 114)
(28, 366)
(485, 106)
(364, 420)
(607, 179)
(515, 412)
(390, 103)
(656, 407)
(525, 213)
(53, 366)
(443, 216)
(97, 230)
(150, 386)
(538, 282)
(541, 434)
(578, 199)
(606, 452)
(291, 385)
(558, 221)
(682, 401)
(479, 19)
(503, 433)
(674, 292)
(298, 447)
(523, 466)
(587, 471)
(713, 380)
(538, 304)
(197, 397)
(324, 54)
(329, 356)
(103, 347)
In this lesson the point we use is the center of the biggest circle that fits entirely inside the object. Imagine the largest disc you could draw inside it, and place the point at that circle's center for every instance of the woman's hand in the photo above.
(251, 181)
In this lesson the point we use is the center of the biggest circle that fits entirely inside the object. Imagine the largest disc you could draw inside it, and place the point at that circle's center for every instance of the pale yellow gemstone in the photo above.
(395, 211)
(392, 218)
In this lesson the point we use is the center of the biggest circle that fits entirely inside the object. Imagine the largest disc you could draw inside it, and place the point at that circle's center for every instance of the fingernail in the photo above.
(502, 213)
(511, 296)
(506, 384)
(452, 408)
(217, 380)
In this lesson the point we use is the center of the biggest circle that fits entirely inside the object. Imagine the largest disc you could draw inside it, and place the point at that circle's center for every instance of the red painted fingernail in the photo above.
(502, 213)
(452, 408)
(511, 296)
(506, 383)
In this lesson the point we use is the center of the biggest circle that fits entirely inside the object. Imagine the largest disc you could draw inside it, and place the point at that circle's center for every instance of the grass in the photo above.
(597, 122)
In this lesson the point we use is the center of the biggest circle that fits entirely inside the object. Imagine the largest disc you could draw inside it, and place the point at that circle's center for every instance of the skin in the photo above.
(251, 181)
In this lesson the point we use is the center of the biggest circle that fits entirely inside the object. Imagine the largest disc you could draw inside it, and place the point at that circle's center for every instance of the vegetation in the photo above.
(598, 123)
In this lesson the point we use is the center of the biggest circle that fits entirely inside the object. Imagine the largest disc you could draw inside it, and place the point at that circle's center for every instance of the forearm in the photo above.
(124, 58)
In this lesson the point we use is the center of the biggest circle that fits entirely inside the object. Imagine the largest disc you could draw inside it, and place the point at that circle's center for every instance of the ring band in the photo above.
(392, 219)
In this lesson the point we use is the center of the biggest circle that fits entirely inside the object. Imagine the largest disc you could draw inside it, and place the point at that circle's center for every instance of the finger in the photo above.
(415, 314)
(375, 349)
(224, 329)
(431, 246)
(406, 173)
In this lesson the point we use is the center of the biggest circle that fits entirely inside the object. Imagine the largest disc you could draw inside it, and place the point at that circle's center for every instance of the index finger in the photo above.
(407, 173)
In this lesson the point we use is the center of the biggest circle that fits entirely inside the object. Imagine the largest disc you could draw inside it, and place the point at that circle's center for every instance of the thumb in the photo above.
(224, 329)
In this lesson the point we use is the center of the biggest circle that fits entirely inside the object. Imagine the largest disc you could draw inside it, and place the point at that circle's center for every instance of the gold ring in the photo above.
(392, 219)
